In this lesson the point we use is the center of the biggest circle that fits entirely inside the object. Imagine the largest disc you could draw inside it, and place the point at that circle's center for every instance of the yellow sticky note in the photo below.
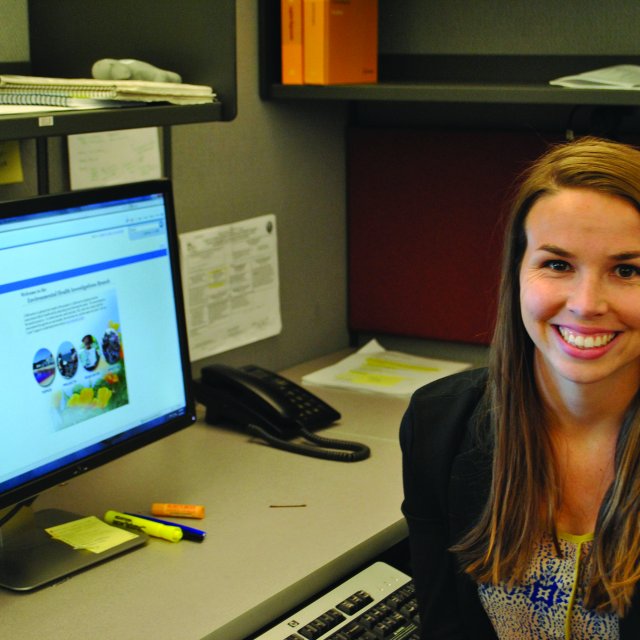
(10, 162)
(90, 533)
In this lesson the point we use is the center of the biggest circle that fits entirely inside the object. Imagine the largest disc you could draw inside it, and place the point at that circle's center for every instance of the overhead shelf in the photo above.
(488, 93)
(61, 123)
(458, 81)
(196, 38)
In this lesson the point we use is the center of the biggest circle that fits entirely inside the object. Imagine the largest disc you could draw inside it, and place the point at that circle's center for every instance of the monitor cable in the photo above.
(14, 510)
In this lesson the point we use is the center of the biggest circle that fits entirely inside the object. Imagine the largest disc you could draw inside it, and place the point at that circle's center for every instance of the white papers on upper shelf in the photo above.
(20, 109)
(376, 370)
(621, 76)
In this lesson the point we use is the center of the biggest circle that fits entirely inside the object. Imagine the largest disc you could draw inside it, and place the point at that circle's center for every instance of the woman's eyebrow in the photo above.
(559, 251)
(626, 255)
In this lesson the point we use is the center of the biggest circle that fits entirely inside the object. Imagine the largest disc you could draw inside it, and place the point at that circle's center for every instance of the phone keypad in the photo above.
(312, 412)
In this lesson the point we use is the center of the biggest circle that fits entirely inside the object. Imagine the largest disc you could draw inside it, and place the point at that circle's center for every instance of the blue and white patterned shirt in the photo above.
(548, 603)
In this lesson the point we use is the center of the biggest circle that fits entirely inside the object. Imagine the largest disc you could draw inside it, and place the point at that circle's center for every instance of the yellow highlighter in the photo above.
(155, 529)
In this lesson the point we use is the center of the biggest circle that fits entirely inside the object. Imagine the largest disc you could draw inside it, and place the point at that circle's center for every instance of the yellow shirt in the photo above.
(548, 603)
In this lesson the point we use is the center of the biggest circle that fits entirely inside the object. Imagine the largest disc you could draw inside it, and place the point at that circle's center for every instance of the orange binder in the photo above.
(340, 41)
(291, 41)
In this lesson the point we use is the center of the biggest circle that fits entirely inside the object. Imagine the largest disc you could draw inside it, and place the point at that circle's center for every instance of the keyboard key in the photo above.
(332, 618)
(410, 609)
(312, 631)
(398, 599)
(374, 615)
(352, 631)
(322, 624)
(355, 603)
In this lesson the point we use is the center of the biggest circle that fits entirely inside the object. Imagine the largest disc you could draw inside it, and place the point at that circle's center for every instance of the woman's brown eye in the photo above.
(557, 265)
(627, 271)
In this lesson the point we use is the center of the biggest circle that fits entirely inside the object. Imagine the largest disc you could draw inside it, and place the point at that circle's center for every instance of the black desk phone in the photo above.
(273, 409)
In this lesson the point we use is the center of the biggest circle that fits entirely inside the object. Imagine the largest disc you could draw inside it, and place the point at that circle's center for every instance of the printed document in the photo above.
(231, 285)
(114, 157)
(376, 370)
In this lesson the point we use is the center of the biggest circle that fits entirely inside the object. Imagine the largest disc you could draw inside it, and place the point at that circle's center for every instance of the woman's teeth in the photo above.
(586, 342)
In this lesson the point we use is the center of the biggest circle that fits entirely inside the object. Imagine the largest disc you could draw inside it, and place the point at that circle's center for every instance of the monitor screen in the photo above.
(95, 349)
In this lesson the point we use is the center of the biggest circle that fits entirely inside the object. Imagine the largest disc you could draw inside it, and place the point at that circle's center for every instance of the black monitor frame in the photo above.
(22, 539)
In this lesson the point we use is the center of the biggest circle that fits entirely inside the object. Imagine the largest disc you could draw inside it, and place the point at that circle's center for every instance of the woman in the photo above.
(522, 481)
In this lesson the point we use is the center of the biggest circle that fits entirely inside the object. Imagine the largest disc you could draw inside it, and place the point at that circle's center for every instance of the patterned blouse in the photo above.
(548, 603)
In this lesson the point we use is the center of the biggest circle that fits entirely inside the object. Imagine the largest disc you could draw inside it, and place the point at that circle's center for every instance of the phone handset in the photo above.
(273, 409)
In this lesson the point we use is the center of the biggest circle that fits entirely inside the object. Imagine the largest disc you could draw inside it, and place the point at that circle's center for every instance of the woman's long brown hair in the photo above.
(525, 492)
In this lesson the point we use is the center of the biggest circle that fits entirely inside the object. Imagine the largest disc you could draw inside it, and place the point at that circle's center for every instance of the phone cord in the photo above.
(325, 448)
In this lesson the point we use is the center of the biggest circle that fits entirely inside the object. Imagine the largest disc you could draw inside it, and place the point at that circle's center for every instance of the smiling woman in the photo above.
(522, 481)
(580, 303)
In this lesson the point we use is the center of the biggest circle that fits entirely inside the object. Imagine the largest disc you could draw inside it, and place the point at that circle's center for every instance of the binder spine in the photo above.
(316, 41)
(292, 43)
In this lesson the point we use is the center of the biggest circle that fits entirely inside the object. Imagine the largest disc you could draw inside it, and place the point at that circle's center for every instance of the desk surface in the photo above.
(257, 561)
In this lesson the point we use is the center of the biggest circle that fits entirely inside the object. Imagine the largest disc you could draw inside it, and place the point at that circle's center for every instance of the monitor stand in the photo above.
(31, 558)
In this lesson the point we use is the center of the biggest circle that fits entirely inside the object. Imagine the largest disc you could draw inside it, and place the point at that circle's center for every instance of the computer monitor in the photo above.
(95, 357)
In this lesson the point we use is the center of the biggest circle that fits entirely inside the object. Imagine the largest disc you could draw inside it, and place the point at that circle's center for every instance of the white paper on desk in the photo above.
(114, 157)
(231, 285)
(374, 369)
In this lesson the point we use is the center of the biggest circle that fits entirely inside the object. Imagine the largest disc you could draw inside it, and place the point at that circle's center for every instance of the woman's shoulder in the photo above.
(441, 422)
(465, 386)
(441, 413)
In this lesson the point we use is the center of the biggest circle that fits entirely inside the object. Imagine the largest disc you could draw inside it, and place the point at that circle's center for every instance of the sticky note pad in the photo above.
(90, 533)
(10, 162)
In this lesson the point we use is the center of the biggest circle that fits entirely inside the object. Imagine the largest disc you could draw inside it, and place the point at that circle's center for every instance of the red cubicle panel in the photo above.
(425, 220)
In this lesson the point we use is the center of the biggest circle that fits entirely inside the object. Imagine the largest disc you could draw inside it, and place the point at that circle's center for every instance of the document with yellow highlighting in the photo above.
(231, 285)
(375, 370)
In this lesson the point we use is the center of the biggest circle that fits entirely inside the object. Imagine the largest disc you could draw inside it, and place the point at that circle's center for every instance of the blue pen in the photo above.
(188, 533)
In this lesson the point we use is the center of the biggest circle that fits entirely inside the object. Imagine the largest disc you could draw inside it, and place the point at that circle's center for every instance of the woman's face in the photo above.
(580, 286)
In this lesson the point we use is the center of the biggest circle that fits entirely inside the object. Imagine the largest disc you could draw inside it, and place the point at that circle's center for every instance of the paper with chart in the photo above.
(376, 370)
(231, 285)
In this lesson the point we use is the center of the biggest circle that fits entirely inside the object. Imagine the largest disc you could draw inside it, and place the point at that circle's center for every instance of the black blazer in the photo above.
(446, 474)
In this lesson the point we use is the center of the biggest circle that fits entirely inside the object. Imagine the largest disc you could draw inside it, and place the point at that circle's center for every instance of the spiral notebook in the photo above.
(81, 92)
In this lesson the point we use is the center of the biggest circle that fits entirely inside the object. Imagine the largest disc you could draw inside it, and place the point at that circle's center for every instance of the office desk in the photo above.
(260, 557)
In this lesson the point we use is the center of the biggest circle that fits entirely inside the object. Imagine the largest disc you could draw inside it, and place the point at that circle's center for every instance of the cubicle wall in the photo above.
(425, 225)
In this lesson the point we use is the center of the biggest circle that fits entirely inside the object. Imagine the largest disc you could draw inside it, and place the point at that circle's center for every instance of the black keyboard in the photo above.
(376, 604)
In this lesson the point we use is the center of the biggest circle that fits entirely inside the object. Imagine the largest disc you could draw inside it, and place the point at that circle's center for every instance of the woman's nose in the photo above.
(587, 297)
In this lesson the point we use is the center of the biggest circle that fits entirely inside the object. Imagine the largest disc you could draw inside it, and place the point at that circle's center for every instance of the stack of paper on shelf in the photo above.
(620, 76)
(81, 92)
(329, 41)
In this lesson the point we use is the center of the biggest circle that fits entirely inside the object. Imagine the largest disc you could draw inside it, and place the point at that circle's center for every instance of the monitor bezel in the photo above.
(31, 488)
